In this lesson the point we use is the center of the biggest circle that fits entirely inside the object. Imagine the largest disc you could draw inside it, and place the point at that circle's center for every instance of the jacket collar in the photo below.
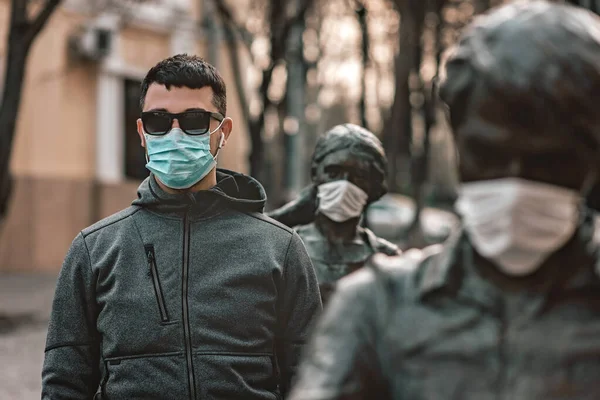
(441, 270)
(200, 205)
(453, 269)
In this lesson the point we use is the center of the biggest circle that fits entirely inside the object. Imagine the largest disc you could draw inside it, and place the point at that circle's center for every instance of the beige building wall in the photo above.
(67, 157)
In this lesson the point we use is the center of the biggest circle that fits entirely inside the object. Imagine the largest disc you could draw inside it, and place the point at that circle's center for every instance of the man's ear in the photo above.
(226, 128)
(140, 130)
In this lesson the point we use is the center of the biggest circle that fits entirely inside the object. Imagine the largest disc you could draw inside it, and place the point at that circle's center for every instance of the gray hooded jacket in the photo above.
(186, 296)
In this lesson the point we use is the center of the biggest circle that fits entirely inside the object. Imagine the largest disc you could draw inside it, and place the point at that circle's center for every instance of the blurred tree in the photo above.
(27, 19)
(397, 131)
(280, 17)
(427, 28)
(284, 90)
(372, 61)
(361, 13)
(430, 21)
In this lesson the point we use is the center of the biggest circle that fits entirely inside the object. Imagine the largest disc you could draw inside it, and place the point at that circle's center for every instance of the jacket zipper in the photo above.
(186, 318)
(101, 392)
(164, 316)
(502, 357)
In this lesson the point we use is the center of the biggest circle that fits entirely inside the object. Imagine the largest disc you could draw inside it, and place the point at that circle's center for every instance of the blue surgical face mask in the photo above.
(180, 160)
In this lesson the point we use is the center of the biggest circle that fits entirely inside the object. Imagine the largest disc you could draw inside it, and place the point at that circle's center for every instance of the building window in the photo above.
(135, 159)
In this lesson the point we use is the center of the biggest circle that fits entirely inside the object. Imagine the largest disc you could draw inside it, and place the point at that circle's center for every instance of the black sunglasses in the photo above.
(194, 123)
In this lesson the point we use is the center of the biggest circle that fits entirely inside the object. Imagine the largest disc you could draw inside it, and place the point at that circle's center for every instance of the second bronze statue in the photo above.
(348, 173)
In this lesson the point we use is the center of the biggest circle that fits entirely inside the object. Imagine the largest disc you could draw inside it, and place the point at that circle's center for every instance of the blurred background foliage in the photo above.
(301, 67)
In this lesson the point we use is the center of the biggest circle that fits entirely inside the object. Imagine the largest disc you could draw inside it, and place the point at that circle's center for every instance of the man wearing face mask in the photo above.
(509, 307)
(348, 173)
(190, 293)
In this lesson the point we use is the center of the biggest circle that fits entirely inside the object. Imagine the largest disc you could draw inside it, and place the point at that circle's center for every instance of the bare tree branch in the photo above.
(18, 14)
(280, 31)
(40, 20)
(280, 40)
(227, 16)
(237, 72)
(22, 33)
(361, 13)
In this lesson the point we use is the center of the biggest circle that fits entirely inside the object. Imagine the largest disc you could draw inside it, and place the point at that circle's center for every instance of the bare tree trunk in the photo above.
(397, 129)
(22, 33)
(420, 162)
(361, 12)
(210, 25)
(418, 158)
(234, 57)
(255, 127)
(295, 110)
(280, 31)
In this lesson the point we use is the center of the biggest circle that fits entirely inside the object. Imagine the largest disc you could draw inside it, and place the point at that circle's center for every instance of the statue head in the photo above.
(522, 88)
(352, 153)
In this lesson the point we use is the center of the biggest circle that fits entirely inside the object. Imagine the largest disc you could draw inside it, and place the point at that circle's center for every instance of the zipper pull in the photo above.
(150, 253)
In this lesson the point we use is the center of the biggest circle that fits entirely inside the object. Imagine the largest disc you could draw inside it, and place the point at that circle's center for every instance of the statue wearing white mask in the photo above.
(348, 173)
(509, 306)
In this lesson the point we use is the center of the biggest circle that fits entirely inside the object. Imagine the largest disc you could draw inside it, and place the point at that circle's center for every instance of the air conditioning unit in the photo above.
(91, 43)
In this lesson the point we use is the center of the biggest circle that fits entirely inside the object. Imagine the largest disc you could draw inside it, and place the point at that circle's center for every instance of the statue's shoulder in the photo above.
(308, 229)
(398, 275)
(308, 233)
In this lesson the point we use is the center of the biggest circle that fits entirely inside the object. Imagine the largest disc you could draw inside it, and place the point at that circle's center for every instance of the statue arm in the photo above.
(300, 211)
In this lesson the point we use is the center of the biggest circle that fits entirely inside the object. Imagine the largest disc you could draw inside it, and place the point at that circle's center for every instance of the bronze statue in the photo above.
(348, 173)
(508, 307)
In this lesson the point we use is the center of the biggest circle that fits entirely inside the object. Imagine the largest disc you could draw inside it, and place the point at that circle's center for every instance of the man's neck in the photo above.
(205, 183)
(337, 231)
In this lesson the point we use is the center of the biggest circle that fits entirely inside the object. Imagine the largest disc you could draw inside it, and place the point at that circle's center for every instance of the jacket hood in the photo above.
(237, 191)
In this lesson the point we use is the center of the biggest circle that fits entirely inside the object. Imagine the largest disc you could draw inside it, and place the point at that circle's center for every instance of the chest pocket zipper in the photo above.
(151, 257)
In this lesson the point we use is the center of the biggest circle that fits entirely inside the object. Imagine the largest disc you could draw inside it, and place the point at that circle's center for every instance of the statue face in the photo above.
(343, 164)
(489, 150)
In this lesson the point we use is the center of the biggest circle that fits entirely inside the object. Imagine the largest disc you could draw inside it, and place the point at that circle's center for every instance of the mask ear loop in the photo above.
(221, 141)
(146, 147)
(220, 146)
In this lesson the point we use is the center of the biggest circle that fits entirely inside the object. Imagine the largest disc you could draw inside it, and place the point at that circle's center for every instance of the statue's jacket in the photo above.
(426, 325)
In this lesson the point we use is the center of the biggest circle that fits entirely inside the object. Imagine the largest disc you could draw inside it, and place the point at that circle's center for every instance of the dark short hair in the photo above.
(529, 67)
(361, 143)
(188, 71)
